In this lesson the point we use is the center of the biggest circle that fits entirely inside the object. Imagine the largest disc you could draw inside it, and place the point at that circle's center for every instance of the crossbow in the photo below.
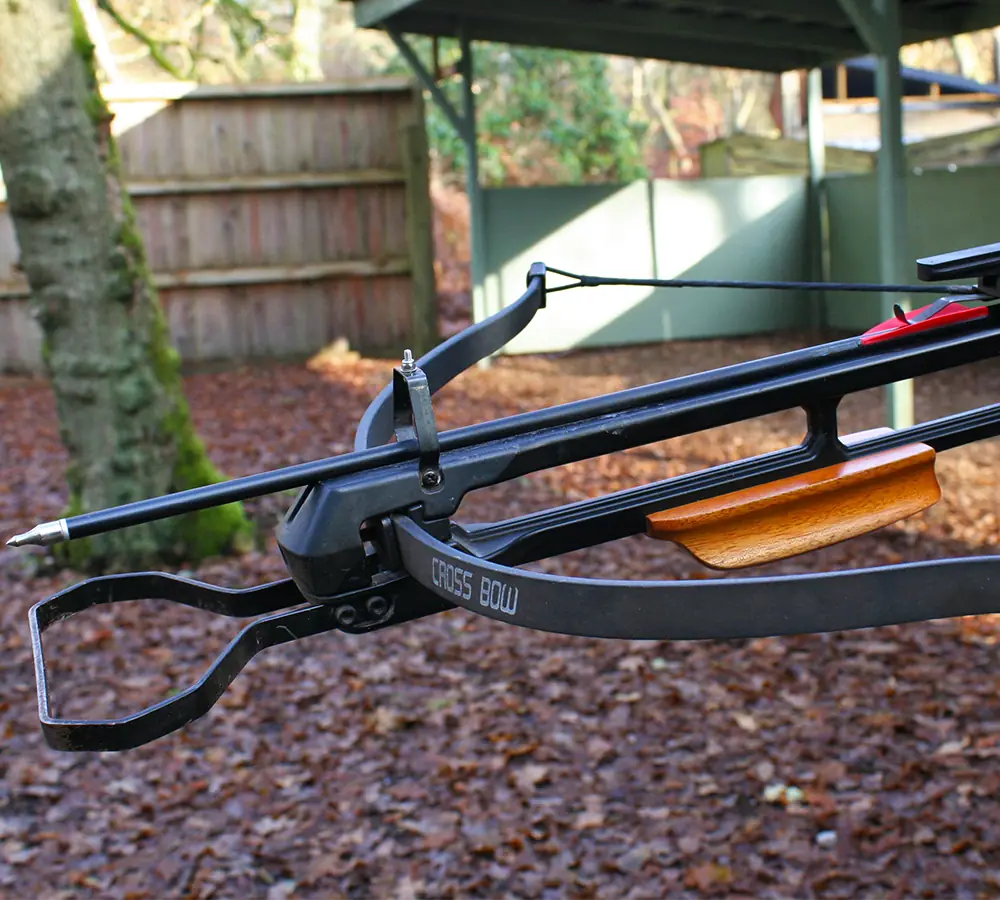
(370, 541)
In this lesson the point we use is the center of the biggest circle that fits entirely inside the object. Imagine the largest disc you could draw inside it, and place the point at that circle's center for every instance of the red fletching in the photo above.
(894, 328)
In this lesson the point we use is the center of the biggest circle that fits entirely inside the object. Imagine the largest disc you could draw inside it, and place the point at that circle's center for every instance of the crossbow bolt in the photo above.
(417, 562)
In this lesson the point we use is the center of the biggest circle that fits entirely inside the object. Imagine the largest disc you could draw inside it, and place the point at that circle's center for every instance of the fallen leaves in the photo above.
(746, 722)
(708, 877)
(528, 777)
(592, 814)
(458, 757)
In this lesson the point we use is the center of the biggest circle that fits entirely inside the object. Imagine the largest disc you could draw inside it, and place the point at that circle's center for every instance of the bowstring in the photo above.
(958, 290)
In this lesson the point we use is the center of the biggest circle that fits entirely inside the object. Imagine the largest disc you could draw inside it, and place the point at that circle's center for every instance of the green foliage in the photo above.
(81, 38)
(543, 115)
(182, 53)
(246, 28)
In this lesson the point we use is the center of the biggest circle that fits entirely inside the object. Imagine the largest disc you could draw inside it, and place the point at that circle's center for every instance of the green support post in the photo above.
(427, 80)
(894, 261)
(877, 22)
(476, 220)
(819, 230)
(464, 123)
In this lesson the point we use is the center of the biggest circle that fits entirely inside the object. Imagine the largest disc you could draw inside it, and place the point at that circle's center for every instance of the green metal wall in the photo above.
(946, 211)
(717, 228)
(724, 228)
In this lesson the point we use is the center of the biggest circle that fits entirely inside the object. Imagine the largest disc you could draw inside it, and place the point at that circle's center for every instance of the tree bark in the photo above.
(123, 416)
(306, 41)
(967, 55)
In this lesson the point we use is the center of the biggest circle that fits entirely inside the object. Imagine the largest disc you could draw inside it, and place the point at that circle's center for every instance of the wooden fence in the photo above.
(277, 219)
(743, 155)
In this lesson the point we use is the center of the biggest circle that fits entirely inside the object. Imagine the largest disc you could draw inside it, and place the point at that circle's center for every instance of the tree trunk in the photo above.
(306, 41)
(122, 412)
(967, 55)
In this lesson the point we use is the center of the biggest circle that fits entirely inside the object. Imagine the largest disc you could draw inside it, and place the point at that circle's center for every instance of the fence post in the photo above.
(420, 236)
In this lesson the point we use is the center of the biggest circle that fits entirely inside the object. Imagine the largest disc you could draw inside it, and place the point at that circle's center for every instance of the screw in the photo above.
(431, 478)
(408, 365)
(346, 615)
(377, 606)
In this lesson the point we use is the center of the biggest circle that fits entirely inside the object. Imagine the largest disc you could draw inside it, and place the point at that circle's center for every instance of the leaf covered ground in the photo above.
(457, 757)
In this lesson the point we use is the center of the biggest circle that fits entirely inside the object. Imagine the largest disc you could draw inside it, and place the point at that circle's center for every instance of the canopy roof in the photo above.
(916, 82)
(766, 35)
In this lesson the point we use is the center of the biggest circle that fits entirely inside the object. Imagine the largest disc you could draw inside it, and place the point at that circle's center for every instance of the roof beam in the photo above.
(867, 22)
(370, 13)
(558, 14)
(797, 11)
(976, 18)
(918, 22)
(642, 44)
(461, 125)
(802, 30)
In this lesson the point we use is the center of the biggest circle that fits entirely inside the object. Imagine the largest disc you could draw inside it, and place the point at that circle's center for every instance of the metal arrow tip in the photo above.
(46, 533)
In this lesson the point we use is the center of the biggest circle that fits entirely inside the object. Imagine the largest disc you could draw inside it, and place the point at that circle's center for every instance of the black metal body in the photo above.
(321, 540)
(370, 541)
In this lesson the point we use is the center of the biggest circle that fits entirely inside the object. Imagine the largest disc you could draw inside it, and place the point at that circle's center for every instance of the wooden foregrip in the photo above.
(794, 515)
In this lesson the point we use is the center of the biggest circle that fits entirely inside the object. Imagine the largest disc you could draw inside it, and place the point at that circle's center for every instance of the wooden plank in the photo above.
(311, 326)
(257, 321)
(353, 268)
(211, 231)
(9, 252)
(746, 154)
(254, 321)
(403, 329)
(179, 309)
(187, 91)
(969, 148)
(948, 100)
(204, 278)
(212, 329)
(20, 338)
(424, 330)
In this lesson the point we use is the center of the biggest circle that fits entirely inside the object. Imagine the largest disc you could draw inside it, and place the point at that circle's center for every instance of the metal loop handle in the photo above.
(356, 612)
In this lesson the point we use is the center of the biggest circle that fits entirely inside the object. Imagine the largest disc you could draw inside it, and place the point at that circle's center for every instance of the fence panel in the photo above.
(945, 211)
(276, 218)
(721, 228)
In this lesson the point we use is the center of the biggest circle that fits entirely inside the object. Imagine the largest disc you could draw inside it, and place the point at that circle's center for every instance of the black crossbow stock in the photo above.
(370, 541)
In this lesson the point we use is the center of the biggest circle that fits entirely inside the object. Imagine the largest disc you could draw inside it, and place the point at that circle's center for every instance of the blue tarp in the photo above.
(916, 82)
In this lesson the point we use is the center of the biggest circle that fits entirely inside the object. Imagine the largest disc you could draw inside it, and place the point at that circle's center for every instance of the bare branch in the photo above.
(157, 49)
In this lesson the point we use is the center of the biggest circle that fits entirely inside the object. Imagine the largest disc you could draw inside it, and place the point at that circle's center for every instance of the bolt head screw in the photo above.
(377, 606)
(346, 615)
(430, 478)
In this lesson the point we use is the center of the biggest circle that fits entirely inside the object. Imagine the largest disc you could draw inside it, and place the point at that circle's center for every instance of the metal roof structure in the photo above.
(761, 35)
(764, 35)
(863, 71)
